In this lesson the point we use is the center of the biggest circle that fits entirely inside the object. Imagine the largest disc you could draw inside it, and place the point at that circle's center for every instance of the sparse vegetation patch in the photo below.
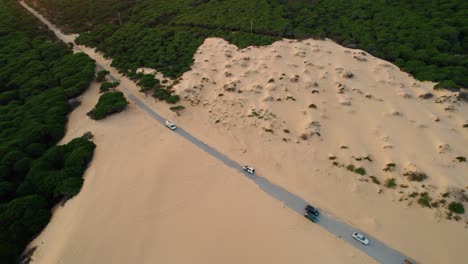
(375, 180)
(425, 200)
(415, 176)
(389, 167)
(390, 183)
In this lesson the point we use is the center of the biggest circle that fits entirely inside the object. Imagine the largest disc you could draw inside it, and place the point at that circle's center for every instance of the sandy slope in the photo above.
(242, 101)
(139, 205)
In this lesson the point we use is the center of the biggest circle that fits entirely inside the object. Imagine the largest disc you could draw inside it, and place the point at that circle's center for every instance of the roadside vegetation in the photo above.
(38, 77)
(426, 39)
(108, 103)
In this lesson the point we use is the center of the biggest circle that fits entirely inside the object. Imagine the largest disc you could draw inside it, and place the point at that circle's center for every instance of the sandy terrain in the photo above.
(150, 196)
(291, 110)
(256, 105)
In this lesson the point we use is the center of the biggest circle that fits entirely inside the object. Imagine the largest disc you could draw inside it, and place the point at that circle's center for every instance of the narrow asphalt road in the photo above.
(376, 249)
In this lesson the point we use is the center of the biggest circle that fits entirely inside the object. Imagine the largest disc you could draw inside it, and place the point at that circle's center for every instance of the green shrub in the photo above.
(360, 171)
(390, 183)
(415, 176)
(101, 75)
(172, 99)
(108, 103)
(106, 86)
(350, 167)
(456, 207)
(161, 94)
(425, 200)
(38, 76)
(177, 108)
(148, 81)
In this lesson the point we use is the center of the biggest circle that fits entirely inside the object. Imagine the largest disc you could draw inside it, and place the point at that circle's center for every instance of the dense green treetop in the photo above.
(38, 75)
(426, 38)
(108, 103)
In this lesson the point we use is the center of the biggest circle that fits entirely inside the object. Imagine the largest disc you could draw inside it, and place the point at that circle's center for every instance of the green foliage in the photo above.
(456, 207)
(148, 82)
(161, 94)
(177, 108)
(38, 75)
(415, 176)
(425, 200)
(427, 39)
(390, 183)
(79, 16)
(360, 171)
(101, 75)
(448, 84)
(106, 86)
(172, 99)
(108, 103)
(20, 220)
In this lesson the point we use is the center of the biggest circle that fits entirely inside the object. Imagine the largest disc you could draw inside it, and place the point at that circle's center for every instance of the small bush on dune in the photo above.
(456, 207)
(389, 167)
(360, 171)
(177, 108)
(415, 176)
(425, 200)
(172, 99)
(390, 183)
(350, 167)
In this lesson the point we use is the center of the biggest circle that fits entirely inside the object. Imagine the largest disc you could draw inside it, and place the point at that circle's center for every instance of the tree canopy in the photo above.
(426, 38)
(38, 75)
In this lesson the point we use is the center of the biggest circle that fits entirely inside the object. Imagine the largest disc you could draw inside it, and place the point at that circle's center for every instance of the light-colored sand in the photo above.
(233, 104)
(150, 196)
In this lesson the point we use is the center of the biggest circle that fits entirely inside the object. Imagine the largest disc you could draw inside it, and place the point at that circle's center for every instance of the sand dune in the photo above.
(288, 107)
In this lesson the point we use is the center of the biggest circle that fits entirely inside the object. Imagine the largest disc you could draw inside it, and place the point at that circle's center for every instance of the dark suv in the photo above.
(311, 217)
(312, 210)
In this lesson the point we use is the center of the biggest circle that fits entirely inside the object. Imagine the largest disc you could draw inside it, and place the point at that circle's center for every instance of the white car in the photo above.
(361, 238)
(249, 169)
(170, 125)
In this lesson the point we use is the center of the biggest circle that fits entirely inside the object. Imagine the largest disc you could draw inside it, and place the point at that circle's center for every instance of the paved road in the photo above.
(377, 250)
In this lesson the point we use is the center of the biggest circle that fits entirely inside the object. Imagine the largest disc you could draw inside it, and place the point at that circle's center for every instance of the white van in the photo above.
(170, 125)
